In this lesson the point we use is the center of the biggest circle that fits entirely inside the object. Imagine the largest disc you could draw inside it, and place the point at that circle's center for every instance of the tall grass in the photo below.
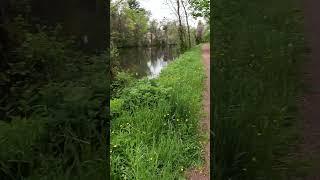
(258, 48)
(154, 128)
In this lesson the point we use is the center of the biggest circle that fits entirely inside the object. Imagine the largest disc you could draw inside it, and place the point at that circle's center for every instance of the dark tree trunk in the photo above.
(186, 14)
(182, 45)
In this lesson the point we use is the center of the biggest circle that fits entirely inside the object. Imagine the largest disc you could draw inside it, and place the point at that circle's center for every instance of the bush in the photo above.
(121, 81)
(144, 93)
(116, 107)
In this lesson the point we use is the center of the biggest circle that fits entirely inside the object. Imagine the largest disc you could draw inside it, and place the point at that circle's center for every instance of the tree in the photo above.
(200, 8)
(199, 32)
(182, 45)
(187, 21)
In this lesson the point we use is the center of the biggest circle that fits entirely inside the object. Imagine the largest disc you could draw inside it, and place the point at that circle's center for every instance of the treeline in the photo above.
(52, 109)
(132, 26)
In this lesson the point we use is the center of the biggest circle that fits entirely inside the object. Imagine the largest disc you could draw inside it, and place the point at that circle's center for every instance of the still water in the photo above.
(147, 61)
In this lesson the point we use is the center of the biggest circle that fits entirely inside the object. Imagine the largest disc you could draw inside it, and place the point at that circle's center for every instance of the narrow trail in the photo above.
(311, 100)
(204, 173)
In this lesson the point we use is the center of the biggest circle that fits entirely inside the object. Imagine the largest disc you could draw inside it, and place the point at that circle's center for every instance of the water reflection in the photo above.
(146, 61)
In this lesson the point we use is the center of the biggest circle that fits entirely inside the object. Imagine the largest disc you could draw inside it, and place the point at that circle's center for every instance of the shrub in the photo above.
(122, 80)
(144, 93)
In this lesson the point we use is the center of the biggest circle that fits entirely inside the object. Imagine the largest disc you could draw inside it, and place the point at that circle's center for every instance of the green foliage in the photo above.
(19, 146)
(53, 112)
(206, 36)
(130, 26)
(159, 138)
(121, 80)
(200, 8)
(129, 23)
(116, 107)
(144, 93)
(258, 47)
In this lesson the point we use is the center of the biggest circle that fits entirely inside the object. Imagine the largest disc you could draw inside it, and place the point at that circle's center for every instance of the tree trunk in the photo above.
(187, 20)
(182, 46)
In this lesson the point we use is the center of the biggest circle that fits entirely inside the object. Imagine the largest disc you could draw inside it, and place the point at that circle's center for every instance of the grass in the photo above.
(258, 49)
(154, 128)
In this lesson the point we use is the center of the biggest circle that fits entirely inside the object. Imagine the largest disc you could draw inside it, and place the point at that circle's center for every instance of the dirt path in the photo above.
(311, 101)
(204, 173)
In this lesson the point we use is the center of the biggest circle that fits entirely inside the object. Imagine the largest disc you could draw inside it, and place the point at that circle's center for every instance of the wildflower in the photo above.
(254, 159)
(181, 169)
(115, 146)
(259, 134)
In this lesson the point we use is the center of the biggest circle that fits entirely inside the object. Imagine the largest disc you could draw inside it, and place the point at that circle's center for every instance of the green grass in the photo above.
(258, 49)
(154, 129)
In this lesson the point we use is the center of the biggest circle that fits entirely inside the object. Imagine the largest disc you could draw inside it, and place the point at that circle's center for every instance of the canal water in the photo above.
(146, 61)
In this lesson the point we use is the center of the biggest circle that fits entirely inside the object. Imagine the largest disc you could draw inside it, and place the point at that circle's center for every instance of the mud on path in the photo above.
(204, 172)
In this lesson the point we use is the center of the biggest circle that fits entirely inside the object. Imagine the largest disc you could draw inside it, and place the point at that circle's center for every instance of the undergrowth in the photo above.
(257, 52)
(52, 109)
(154, 128)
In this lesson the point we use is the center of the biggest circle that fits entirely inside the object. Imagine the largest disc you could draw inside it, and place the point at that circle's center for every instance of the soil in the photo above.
(204, 172)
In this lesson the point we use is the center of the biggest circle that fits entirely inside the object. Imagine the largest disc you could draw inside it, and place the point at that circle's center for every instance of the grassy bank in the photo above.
(258, 48)
(154, 129)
